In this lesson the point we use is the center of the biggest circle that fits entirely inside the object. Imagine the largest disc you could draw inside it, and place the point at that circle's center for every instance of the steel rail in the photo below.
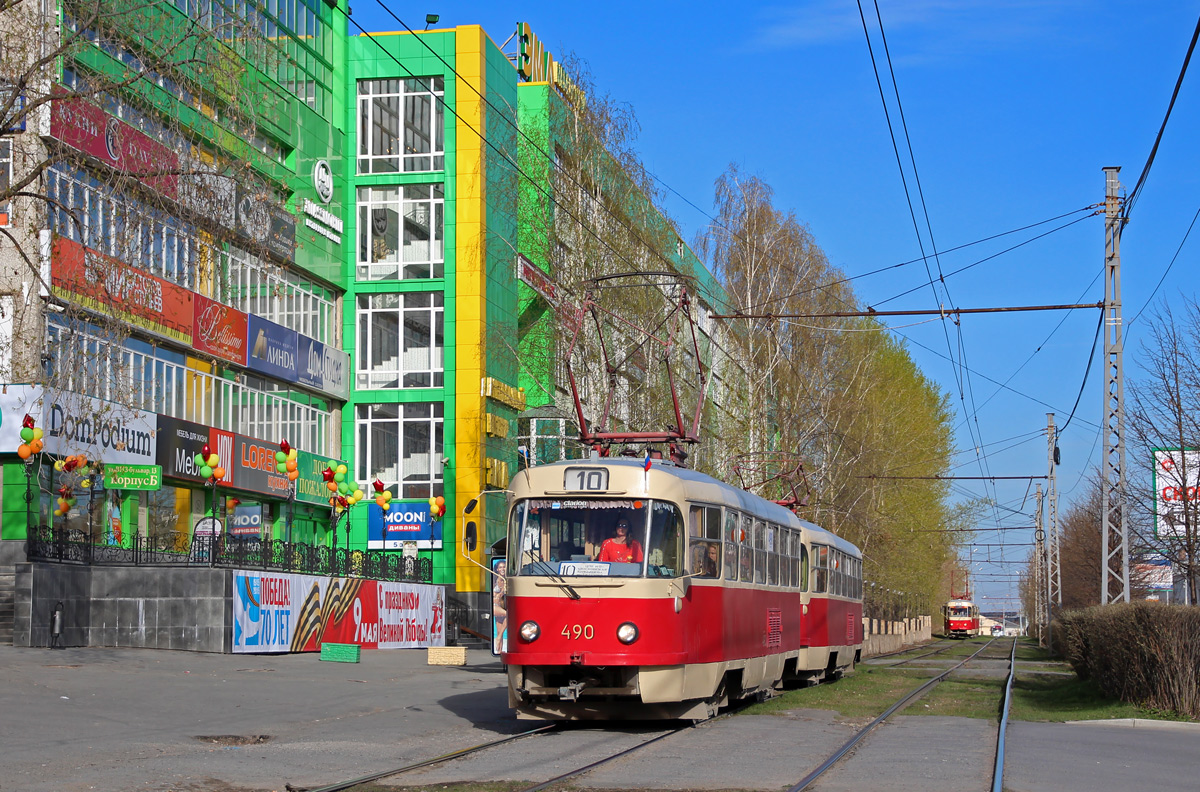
(807, 781)
(607, 759)
(939, 650)
(998, 769)
(912, 648)
(337, 787)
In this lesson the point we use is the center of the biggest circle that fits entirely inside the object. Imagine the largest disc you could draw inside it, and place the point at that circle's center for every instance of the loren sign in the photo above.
(133, 477)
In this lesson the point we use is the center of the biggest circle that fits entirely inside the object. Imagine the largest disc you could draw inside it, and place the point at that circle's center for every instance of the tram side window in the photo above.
(731, 545)
(820, 568)
(760, 551)
(772, 555)
(785, 557)
(802, 567)
(838, 573)
(705, 541)
(746, 549)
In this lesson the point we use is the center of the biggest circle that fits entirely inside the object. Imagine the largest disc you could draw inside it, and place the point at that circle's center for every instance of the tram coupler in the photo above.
(571, 692)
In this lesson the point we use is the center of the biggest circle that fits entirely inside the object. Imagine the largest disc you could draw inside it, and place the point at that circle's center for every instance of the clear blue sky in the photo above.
(1012, 108)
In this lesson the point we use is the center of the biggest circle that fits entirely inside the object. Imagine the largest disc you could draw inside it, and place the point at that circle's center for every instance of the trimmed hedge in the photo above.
(1144, 653)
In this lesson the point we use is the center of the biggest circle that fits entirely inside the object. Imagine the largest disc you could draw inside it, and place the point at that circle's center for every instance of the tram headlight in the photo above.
(530, 631)
(627, 633)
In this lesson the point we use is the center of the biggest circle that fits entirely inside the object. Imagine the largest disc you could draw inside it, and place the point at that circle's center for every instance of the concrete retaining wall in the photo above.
(185, 609)
(891, 636)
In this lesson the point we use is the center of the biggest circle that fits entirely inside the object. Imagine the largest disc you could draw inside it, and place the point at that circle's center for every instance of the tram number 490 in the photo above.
(576, 632)
(594, 479)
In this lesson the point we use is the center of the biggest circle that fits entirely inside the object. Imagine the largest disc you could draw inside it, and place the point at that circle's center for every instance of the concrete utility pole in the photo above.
(1053, 569)
(1114, 558)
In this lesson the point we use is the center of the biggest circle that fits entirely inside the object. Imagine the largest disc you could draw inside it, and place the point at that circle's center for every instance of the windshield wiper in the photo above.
(557, 578)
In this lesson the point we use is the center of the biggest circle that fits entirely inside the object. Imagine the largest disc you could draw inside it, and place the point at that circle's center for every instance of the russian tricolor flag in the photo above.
(647, 465)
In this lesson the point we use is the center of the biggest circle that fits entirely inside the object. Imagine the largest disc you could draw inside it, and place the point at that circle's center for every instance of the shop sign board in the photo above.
(176, 446)
(276, 612)
(179, 441)
(323, 367)
(207, 526)
(405, 521)
(107, 286)
(273, 349)
(133, 477)
(310, 485)
(261, 220)
(537, 280)
(246, 521)
(102, 430)
(1176, 484)
(85, 127)
(253, 464)
(219, 330)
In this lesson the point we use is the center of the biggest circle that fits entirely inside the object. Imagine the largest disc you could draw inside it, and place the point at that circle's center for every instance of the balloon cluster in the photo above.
(232, 503)
(286, 462)
(383, 498)
(78, 471)
(65, 501)
(31, 438)
(76, 463)
(437, 507)
(209, 465)
(344, 492)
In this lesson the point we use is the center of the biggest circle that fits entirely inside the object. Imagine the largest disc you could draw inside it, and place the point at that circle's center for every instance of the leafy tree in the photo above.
(1164, 413)
(841, 394)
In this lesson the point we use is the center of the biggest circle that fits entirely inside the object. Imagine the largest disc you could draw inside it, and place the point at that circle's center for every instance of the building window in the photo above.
(402, 445)
(400, 232)
(401, 125)
(400, 340)
(5, 180)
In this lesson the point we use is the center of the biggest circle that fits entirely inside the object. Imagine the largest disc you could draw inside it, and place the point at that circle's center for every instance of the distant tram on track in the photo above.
(653, 591)
(961, 618)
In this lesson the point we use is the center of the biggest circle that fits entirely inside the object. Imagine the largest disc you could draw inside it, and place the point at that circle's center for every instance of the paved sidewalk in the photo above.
(130, 719)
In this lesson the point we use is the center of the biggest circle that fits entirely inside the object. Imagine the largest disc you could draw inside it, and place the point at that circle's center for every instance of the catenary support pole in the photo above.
(1114, 539)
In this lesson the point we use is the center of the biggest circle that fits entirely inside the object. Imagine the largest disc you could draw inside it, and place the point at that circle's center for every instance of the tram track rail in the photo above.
(542, 730)
(938, 650)
(998, 768)
(446, 757)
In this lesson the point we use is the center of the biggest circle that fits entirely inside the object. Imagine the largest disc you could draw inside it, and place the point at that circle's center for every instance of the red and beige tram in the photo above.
(962, 618)
(710, 594)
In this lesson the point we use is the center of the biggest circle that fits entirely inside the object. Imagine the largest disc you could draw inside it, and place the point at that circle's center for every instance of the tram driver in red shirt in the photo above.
(620, 547)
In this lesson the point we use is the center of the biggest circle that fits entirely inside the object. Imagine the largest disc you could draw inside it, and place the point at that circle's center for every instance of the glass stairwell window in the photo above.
(401, 125)
(401, 232)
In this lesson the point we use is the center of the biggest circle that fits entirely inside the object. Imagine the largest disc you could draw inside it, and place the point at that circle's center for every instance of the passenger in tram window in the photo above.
(708, 559)
(620, 547)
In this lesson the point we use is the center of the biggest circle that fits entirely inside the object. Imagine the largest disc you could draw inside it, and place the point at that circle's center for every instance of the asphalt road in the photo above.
(130, 720)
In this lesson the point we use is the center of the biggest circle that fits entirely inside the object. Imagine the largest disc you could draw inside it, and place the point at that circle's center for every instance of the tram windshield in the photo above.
(960, 611)
(596, 538)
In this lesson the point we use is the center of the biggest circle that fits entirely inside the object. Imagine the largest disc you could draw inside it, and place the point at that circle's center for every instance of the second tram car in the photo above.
(961, 618)
(707, 593)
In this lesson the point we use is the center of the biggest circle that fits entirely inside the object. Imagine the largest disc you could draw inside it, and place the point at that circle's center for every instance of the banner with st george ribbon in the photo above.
(297, 613)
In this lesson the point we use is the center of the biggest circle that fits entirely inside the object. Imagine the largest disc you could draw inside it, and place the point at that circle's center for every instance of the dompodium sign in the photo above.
(133, 477)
